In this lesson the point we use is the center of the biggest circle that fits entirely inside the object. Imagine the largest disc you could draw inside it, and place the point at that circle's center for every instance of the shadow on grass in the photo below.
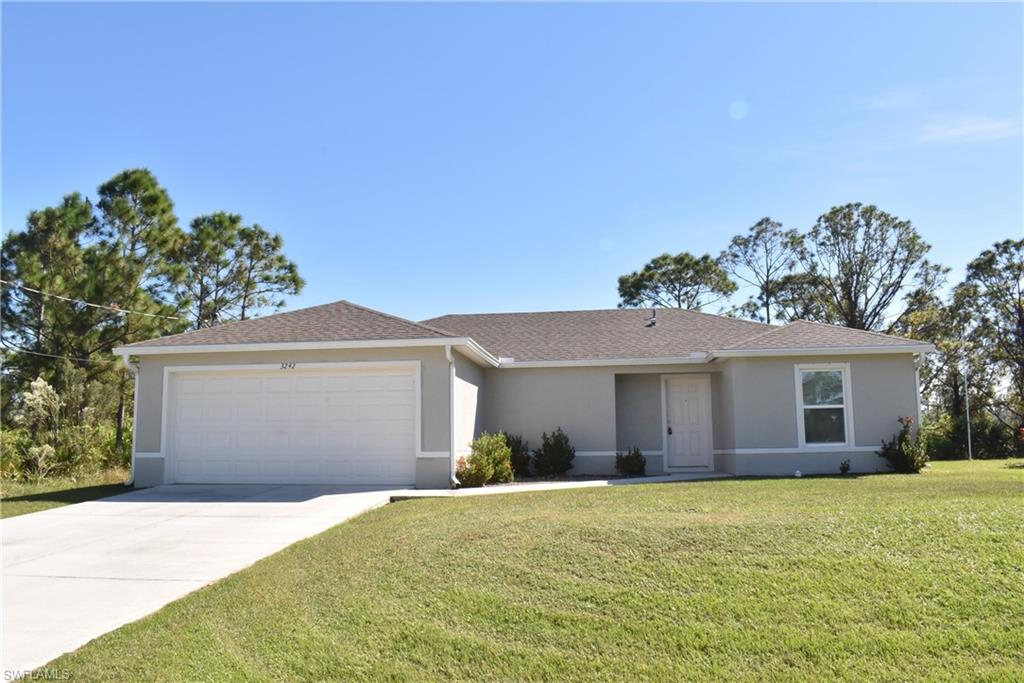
(69, 496)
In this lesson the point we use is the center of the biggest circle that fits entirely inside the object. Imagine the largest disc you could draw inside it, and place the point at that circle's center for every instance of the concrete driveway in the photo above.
(76, 572)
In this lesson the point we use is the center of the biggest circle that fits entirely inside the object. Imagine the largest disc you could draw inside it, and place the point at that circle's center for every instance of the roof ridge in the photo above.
(231, 323)
(857, 329)
(437, 330)
(604, 310)
(744, 343)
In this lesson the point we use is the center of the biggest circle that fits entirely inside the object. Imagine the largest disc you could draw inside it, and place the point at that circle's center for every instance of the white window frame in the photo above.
(847, 406)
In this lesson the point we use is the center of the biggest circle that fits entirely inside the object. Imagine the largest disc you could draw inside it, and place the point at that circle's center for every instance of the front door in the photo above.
(688, 421)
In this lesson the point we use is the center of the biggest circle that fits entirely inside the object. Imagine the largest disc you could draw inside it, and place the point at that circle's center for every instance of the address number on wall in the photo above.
(287, 366)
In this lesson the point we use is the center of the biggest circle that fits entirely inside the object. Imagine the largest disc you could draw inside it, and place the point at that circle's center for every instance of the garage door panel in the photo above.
(335, 426)
(277, 385)
(219, 385)
(308, 384)
(249, 385)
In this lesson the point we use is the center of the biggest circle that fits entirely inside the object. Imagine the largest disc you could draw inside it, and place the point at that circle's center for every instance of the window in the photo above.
(823, 404)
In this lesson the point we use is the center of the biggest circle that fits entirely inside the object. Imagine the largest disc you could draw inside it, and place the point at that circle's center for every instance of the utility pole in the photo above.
(967, 404)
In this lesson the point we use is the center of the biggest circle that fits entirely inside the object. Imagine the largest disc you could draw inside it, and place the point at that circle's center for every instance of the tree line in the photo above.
(90, 274)
(861, 267)
(85, 276)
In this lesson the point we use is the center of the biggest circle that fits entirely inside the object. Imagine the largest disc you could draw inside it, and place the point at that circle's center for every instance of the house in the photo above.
(343, 394)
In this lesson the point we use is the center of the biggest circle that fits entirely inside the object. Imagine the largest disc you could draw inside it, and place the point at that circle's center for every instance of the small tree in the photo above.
(555, 454)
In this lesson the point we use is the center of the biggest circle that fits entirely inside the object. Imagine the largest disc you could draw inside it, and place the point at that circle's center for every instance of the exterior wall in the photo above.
(638, 412)
(432, 473)
(434, 387)
(528, 401)
(591, 404)
(602, 409)
(764, 413)
(608, 409)
(469, 378)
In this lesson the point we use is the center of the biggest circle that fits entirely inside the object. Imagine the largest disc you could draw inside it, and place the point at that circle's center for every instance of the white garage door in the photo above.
(294, 426)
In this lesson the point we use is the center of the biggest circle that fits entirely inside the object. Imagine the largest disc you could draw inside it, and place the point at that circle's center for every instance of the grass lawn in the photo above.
(19, 498)
(898, 577)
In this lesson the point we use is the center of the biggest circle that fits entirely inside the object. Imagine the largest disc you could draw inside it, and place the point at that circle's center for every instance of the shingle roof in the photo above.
(340, 321)
(609, 334)
(802, 334)
(601, 334)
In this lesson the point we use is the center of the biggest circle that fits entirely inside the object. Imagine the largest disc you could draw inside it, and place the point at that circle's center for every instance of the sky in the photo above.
(426, 159)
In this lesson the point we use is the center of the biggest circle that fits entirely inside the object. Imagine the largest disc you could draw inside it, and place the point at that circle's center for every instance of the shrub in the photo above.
(490, 461)
(945, 437)
(905, 453)
(555, 454)
(520, 454)
(844, 466)
(631, 463)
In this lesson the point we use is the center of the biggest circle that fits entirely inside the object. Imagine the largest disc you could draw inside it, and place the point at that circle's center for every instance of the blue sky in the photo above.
(425, 159)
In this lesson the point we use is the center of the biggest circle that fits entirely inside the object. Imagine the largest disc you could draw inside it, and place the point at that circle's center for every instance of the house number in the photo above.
(287, 366)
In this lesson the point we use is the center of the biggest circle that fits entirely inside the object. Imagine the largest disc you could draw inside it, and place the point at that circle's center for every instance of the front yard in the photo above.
(895, 577)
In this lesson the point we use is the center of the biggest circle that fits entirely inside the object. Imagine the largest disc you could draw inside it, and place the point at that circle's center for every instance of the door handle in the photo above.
(670, 431)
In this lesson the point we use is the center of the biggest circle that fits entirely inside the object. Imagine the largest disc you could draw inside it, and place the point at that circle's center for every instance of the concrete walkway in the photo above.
(74, 573)
(526, 487)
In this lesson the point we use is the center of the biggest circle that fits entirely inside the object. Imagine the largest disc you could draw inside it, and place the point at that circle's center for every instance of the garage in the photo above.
(329, 423)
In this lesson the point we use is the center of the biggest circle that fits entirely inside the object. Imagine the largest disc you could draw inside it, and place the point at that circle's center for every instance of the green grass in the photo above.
(897, 577)
(21, 498)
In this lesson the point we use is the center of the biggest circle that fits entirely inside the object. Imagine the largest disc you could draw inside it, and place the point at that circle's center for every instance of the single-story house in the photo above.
(344, 394)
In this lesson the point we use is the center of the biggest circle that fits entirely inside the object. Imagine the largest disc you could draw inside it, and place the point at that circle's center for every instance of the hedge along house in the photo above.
(343, 394)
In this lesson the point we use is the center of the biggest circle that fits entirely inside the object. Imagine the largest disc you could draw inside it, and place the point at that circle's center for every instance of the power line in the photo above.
(87, 303)
(50, 355)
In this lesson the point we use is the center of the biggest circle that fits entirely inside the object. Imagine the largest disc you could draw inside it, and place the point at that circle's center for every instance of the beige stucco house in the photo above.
(344, 394)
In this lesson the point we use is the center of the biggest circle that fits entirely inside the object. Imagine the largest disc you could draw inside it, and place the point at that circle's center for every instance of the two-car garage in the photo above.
(332, 423)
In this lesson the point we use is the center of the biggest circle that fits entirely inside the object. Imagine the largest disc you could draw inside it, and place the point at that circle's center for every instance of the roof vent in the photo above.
(653, 320)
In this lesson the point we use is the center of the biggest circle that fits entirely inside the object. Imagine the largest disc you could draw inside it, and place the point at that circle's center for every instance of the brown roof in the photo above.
(340, 321)
(603, 334)
(802, 334)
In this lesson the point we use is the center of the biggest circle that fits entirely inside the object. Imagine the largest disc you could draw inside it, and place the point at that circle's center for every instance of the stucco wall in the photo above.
(433, 391)
(602, 409)
(764, 397)
(469, 378)
(529, 401)
(884, 388)
(638, 412)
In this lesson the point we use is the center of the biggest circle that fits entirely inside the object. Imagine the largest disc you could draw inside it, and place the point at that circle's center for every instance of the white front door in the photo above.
(688, 421)
(337, 425)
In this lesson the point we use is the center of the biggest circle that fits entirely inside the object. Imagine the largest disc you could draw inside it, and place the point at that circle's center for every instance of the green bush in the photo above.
(489, 462)
(555, 454)
(520, 454)
(631, 463)
(945, 437)
(904, 452)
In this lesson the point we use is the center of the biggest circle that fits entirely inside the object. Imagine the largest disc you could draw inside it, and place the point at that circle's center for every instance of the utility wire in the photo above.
(50, 355)
(87, 303)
